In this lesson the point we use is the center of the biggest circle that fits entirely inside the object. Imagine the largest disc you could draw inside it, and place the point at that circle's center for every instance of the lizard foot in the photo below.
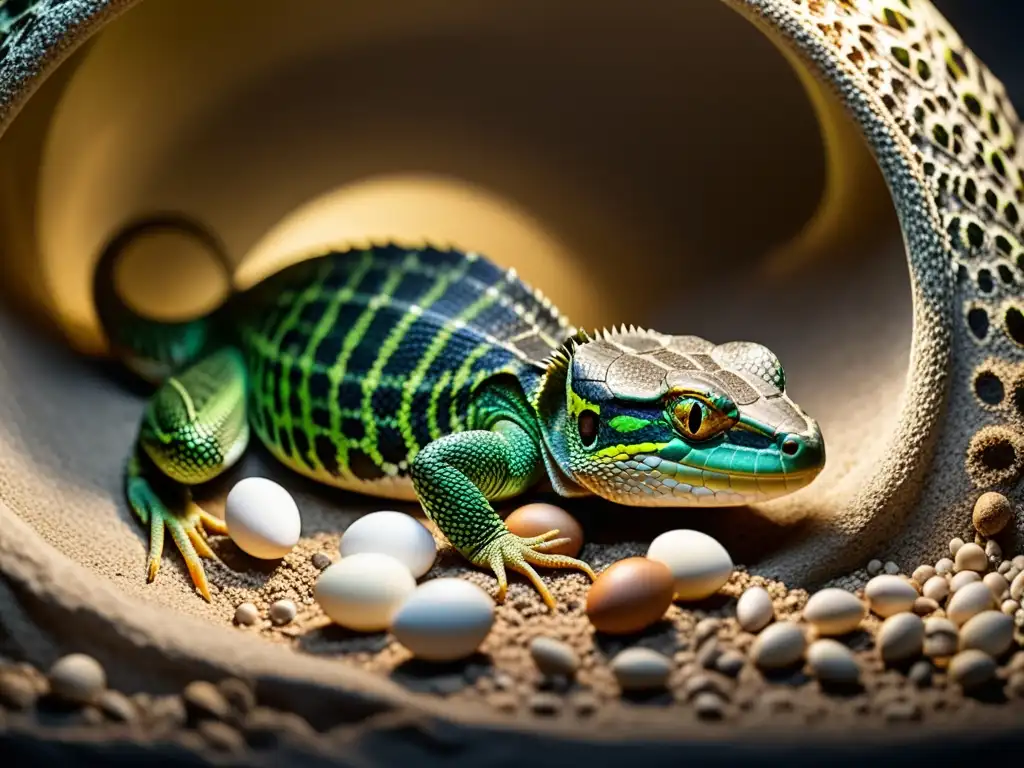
(188, 526)
(521, 554)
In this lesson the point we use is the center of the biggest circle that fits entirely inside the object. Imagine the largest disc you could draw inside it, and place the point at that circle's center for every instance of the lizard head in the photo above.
(195, 424)
(645, 419)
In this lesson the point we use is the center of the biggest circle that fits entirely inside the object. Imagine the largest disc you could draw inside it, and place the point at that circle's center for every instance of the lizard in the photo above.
(431, 374)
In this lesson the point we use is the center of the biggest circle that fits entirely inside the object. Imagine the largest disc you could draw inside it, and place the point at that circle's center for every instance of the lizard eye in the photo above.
(587, 423)
(697, 421)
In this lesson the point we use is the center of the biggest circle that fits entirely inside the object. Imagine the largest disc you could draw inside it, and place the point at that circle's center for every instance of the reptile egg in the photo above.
(444, 620)
(699, 564)
(363, 591)
(629, 596)
(262, 518)
(535, 519)
(392, 533)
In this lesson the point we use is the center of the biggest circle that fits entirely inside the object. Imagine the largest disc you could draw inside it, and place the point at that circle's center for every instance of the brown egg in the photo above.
(534, 519)
(630, 595)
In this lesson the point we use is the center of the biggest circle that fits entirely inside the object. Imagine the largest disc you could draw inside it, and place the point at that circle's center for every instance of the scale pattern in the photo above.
(358, 359)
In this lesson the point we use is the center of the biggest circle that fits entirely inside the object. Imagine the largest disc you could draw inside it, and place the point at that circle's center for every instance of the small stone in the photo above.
(77, 678)
(1009, 607)
(962, 579)
(988, 631)
(320, 560)
(972, 668)
(246, 614)
(238, 694)
(1012, 574)
(936, 588)
(640, 668)
(221, 736)
(834, 611)
(1015, 685)
(888, 595)
(709, 706)
(955, 545)
(944, 566)
(554, 657)
(902, 711)
(265, 728)
(922, 573)
(1017, 587)
(708, 653)
(924, 606)
(901, 637)
(779, 645)
(891, 568)
(993, 551)
(203, 701)
(731, 663)
(1018, 562)
(282, 612)
(920, 673)
(970, 557)
(116, 706)
(700, 683)
(1018, 618)
(832, 662)
(875, 567)
(997, 583)
(941, 638)
(1004, 567)
(754, 609)
(544, 703)
(968, 601)
(992, 512)
(91, 715)
(585, 703)
(16, 690)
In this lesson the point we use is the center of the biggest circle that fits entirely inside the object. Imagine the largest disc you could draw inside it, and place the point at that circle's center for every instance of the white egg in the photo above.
(392, 533)
(699, 564)
(444, 620)
(262, 518)
(362, 592)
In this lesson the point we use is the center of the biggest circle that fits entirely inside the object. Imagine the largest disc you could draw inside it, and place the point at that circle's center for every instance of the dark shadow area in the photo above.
(442, 678)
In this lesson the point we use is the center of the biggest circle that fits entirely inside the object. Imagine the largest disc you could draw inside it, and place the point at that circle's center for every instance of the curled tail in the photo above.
(154, 349)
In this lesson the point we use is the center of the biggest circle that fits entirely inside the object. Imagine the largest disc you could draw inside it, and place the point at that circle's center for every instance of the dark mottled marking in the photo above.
(328, 349)
(326, 453)
(989, 388)
(284, 439)
(321, 417)
(354, 430)
(301, 442)
(363, 466)
(319, 386)
(391, 444)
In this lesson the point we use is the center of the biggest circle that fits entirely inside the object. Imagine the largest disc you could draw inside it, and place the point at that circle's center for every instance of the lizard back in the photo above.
(357, 359)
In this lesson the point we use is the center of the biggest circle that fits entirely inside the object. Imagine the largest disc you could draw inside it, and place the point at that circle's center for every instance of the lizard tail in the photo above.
(155, 349)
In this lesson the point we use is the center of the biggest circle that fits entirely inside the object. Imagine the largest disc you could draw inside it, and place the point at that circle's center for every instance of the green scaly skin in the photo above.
(434, 375)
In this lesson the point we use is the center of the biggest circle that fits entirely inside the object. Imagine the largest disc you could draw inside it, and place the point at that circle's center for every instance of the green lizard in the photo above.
(434, 375)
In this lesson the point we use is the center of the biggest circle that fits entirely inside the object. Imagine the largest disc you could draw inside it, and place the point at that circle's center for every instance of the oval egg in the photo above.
(444, 620)
(535, 519)
(699, 564)
(362, 592)
(397, 534)
(262, 518)
(629, 596)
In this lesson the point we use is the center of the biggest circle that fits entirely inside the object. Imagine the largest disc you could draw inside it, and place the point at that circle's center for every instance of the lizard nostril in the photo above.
(790, 446)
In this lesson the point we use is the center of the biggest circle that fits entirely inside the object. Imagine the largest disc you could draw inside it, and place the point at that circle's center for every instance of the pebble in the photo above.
(536, 519)
(992, 512)
(936, 588)
(699, 564)
(320, 560)
(920, 673)
(282, 612)
(266, 727)
(246, 614)
(968, 601)
(993, 551)
(888, 595)
(944, 566)
(731, 663)
(997, 583)
(972, 668)
(16, 690)
(832, 662)
(640, 668)
(204, 701)
(924, 606)
(1017, 587)
(1015, 685)
(363, 592)
(891, 568)
(1018, 562)
(875, 567)
(630, 595)
(221, 736)
(988, 631)
(922, 573)
(709, 706)
(834, 611)
(262, 518)
(444, 619)
(1004, 567)
(755, 609)
(77, 678)
(1009, 607)
(901, 637)
(970, 557)
(585, 703)
(700, 683)
(545, 702)
(116, 706)
(554, 657)
(902, 711)
(941, 638)
(397, 534)
(705, 630)
(779, 645)
(955, 544)
(238, 694)
(962, 579)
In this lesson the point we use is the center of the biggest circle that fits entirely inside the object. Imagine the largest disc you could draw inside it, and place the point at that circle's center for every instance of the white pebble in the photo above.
(832, 662)
(834, 611)
(754, 609)
(392, 533)
(962, 579)
(944, 566)
(993, 551)
(988, 631)
(968, 601)
(640, 668)
(1017, 587)
(246, 614)
(699, 564)
(922, 573)
(444, 619)
(875, 567)
(779, 645)
(971, 557)
(362, 592)
(888, 594)
(997, 583)
(1004, 567)
(954, 545)
(891, 568)
(554, 657)
(972, 668)
(262, 518)
(941, 637)
(1010, 607)
(1018, 562)
(282, 612)
(901, 637)
(77, 678)
(937, 588)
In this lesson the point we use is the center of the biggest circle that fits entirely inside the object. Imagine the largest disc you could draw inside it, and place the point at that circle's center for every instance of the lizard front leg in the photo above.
(455, 478)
